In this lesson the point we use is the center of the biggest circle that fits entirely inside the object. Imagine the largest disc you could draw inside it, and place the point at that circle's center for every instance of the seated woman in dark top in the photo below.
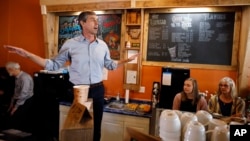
(189, 99)
(226, 102)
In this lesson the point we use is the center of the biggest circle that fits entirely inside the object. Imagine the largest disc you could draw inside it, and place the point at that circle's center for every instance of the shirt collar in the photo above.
(19, 74)
(82, 38)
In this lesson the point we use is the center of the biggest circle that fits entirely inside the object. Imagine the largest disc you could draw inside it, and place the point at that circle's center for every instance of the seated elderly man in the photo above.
(21, 101)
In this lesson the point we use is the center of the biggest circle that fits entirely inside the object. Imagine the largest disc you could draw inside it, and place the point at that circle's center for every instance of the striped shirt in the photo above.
(238, 106)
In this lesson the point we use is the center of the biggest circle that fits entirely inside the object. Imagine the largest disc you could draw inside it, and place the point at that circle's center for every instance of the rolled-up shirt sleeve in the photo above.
(58, 61)
(109, 63)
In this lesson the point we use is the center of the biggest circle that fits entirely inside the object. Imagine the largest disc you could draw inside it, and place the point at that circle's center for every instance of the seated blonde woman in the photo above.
(226, 102)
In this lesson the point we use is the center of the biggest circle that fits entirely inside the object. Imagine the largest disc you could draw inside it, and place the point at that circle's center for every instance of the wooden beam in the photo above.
(49, 21)
(73, 2)
(89, 6)
(244, 54)
(186, 65)
(82, 5)
(234, 2)
(189, 3)
(152, 3)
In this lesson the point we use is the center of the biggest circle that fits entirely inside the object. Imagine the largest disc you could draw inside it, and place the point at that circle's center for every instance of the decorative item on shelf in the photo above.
(156, 92)
(128, 44)
(134, 33)
(133, 17)
(135, 45)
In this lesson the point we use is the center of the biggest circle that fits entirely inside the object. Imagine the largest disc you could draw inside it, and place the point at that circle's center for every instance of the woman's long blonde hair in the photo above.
(231, 84)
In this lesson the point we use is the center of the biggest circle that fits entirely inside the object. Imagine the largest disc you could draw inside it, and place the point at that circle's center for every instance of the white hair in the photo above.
(12, 65)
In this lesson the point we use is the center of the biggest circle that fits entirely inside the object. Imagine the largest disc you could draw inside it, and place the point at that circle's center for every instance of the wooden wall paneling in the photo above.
(46, 42)
(80, 5)
(174, 3)
(134, 18)
(182, 65)
(141, 45)
(151, 3)
(188, 3)
(123, 32)
(89, 6)
(145, 37)
(244, 54)
(49, 23)
(237, 26)
(234, 2)
(70, 2)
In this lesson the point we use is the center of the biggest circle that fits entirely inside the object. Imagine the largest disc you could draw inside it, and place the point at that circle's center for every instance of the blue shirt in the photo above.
(87, 60)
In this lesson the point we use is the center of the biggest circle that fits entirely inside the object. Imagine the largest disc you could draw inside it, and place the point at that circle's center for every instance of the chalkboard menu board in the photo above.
(199, 38)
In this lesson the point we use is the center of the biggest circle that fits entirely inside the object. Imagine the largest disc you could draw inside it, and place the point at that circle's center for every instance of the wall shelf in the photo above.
(133, 35)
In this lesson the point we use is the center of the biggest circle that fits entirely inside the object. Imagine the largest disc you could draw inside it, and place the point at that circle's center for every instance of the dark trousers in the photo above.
(97, 94)
(22, 119)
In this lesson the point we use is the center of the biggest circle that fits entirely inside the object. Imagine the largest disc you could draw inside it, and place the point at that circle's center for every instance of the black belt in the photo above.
(96, 84)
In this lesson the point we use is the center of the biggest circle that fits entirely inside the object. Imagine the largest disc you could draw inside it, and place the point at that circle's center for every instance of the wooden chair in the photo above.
(135, 135)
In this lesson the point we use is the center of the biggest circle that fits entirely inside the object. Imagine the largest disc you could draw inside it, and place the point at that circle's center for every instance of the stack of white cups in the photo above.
(195, 131)
(81, 95)
(204, 117)
(186, 117)
(169, 126)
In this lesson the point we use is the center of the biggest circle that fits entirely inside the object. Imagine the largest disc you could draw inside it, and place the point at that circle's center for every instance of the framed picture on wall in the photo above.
(68, 28)
(109, 30)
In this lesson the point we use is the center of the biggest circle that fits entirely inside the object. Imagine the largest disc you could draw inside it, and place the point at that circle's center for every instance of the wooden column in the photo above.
(244, 54)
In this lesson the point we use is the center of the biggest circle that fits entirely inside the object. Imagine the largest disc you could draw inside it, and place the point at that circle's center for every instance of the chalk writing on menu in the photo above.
(199, 38)
(109, 30)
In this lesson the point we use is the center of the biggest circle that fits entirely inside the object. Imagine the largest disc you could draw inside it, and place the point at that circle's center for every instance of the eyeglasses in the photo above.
(224, 85)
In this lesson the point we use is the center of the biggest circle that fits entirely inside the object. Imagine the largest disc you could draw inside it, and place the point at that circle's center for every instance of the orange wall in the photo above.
(207, 80)
(21, 25)
(4, 15)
